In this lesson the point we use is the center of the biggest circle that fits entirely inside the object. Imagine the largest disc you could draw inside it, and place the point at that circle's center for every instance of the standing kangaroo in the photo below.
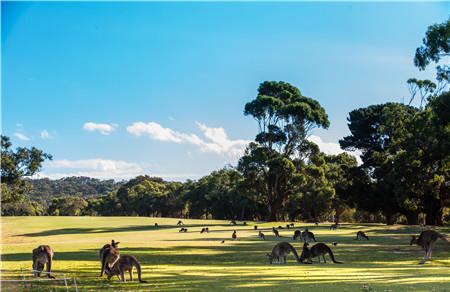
(360, 235)
(308, 236)
(109, 256)
(125, 263)
(42, 255)
(106, 246)
(277, 234)
(318, 250)
(427, 239)
(234, 235)
(280, 251)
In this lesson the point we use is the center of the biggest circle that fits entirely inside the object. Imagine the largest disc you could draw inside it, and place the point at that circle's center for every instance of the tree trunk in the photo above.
(434, 217)
(412, 218)
(390, 218)
(433, 212)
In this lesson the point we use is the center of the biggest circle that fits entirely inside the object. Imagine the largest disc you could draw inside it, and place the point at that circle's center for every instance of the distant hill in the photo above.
(86, 187)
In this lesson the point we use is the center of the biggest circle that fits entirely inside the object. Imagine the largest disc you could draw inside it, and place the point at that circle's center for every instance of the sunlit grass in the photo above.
(191, 261)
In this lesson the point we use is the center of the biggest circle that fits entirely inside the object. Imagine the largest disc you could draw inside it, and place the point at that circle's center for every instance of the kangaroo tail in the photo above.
(443, 237)
(138, 268)
(332, 257)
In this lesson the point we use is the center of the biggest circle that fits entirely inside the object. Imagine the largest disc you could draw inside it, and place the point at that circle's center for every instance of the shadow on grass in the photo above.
(134, 228)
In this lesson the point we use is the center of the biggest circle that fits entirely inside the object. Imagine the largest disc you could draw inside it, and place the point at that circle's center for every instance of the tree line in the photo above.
(403, 177)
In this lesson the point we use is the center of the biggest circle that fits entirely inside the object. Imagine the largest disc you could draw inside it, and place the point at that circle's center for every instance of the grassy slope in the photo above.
(175, 261)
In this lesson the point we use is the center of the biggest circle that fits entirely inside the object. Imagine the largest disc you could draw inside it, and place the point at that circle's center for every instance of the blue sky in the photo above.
(113, 90)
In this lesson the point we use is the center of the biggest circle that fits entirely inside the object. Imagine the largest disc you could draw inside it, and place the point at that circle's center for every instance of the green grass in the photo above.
(191, 261)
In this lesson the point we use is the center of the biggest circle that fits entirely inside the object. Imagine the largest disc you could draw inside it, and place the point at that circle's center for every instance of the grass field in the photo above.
(191, 261)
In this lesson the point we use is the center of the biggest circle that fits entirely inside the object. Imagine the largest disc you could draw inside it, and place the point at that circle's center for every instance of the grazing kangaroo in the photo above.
(318, 250)
(297, 235)
(292, 224)
(308, 236)
(316, 223)
(125, 263)
(42, 255)
(261, 236)
(183, 229)
(277, 234)
(203, 230)
(180, 223)
(427, 239)
(109, 256)
(360, 235)
(334, 226)
(234, 236)
(233, 222)
(280, 251)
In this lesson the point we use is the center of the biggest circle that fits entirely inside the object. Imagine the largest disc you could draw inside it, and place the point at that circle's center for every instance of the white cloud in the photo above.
(98, 168)
(215, 139)
(45, 134)
(332, 148)
(21, 136)
(104, 129)
(103, 169)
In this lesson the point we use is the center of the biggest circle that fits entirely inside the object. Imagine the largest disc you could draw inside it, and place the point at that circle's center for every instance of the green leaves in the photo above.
(436, 45)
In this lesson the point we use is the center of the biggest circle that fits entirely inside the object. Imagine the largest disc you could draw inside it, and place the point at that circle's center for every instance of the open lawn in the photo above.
(191, 261)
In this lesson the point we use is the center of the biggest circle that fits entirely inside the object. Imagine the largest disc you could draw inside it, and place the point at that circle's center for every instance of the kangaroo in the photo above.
(234, 236)
(156, 225)
(318, 250)
(183, 229)
(203, 230)
(316, 223)
(291, 224)
(233, 222)
(113, 244)
(255, 227)
(280, 251)
(277, 234)
(109, 256)
(297, 235)
(427, 239)
(280, 227)
(360, 235)
(288, 226)
(261, 236)
(180, 223)
(308, 236)
(125, 263)
(42, 255)
(334, 226)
